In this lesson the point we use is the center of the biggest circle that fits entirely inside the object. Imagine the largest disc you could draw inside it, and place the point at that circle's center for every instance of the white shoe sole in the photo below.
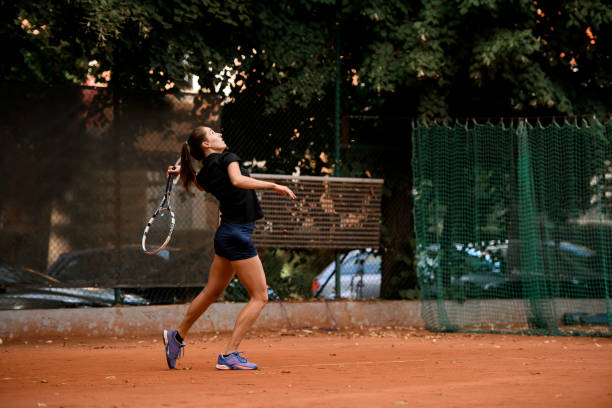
(165, 337)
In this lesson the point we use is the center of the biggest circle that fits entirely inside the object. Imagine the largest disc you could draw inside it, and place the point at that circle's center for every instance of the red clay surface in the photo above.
(365, 368)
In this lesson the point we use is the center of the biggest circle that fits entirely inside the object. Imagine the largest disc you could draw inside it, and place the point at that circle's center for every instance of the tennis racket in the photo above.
(159, 229)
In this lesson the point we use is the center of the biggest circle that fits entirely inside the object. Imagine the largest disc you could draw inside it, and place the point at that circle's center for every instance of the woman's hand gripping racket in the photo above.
(159, 229)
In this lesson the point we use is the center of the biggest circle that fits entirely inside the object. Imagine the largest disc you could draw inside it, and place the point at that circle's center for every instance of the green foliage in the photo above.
(289, 273)
(519, 55)
(404, 276)
(37, 44)
(296, 60)
(471, 57)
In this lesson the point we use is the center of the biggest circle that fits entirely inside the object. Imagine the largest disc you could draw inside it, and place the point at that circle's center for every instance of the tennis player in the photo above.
(223, 175)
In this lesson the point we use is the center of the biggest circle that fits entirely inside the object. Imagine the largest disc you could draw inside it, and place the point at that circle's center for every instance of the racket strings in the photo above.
(158, 230)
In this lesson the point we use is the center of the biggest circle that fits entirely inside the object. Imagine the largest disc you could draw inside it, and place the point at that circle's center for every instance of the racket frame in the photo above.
(164, 205)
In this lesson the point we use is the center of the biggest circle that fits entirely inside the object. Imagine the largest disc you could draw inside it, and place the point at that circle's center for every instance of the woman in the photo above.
(223, 176)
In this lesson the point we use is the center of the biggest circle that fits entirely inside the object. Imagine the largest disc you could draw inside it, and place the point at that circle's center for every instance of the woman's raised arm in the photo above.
(249, 183)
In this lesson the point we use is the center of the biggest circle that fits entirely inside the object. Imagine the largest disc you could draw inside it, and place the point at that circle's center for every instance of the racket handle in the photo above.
(169, 181)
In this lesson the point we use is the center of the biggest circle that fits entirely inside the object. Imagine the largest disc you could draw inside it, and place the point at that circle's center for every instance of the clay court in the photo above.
(371, 367)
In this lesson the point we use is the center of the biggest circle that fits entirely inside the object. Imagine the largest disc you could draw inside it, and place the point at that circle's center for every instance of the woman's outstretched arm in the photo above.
(248, 183)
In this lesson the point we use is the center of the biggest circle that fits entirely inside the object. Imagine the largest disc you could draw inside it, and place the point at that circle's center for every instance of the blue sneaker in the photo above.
(235, 361)
(173, 347)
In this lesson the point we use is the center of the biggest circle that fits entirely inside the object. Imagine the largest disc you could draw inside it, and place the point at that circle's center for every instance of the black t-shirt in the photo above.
(237, 205)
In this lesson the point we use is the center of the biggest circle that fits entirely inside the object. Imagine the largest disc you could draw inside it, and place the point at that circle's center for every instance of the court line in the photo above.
(350, 363)
(411, 361)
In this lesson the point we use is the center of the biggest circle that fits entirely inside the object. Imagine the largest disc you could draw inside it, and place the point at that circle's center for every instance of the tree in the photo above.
(461, 57)
(494, 58)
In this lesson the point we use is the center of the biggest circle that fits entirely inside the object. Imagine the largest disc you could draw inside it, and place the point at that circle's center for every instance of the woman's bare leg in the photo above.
(251, 274)
(219, 277)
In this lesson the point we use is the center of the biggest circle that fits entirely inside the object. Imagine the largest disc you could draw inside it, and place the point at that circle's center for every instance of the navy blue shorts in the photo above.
(233, 241)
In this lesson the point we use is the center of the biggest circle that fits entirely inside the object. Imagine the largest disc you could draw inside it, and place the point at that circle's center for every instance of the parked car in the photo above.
(25, 288)
(173, 275)
(570, 269)
(359, 277)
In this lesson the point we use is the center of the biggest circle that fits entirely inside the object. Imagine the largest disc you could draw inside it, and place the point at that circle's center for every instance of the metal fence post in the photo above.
(337, 113)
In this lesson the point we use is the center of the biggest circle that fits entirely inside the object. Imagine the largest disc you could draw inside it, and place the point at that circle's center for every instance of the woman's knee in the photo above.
(213, 293)
(261, 297)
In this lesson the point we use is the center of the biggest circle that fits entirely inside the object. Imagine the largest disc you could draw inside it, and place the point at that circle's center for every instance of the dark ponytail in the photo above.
(192, 147)
(187, 172)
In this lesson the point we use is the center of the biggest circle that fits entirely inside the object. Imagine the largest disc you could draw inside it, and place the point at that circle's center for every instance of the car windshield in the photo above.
(367, 263)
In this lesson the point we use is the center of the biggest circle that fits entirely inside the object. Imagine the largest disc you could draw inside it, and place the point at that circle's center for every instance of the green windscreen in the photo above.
(513, 226)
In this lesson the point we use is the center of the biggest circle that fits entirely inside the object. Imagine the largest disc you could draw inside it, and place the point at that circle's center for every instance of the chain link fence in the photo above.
(85, 168)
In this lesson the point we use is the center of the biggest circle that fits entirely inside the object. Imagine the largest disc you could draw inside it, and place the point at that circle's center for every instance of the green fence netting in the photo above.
(513, 226)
